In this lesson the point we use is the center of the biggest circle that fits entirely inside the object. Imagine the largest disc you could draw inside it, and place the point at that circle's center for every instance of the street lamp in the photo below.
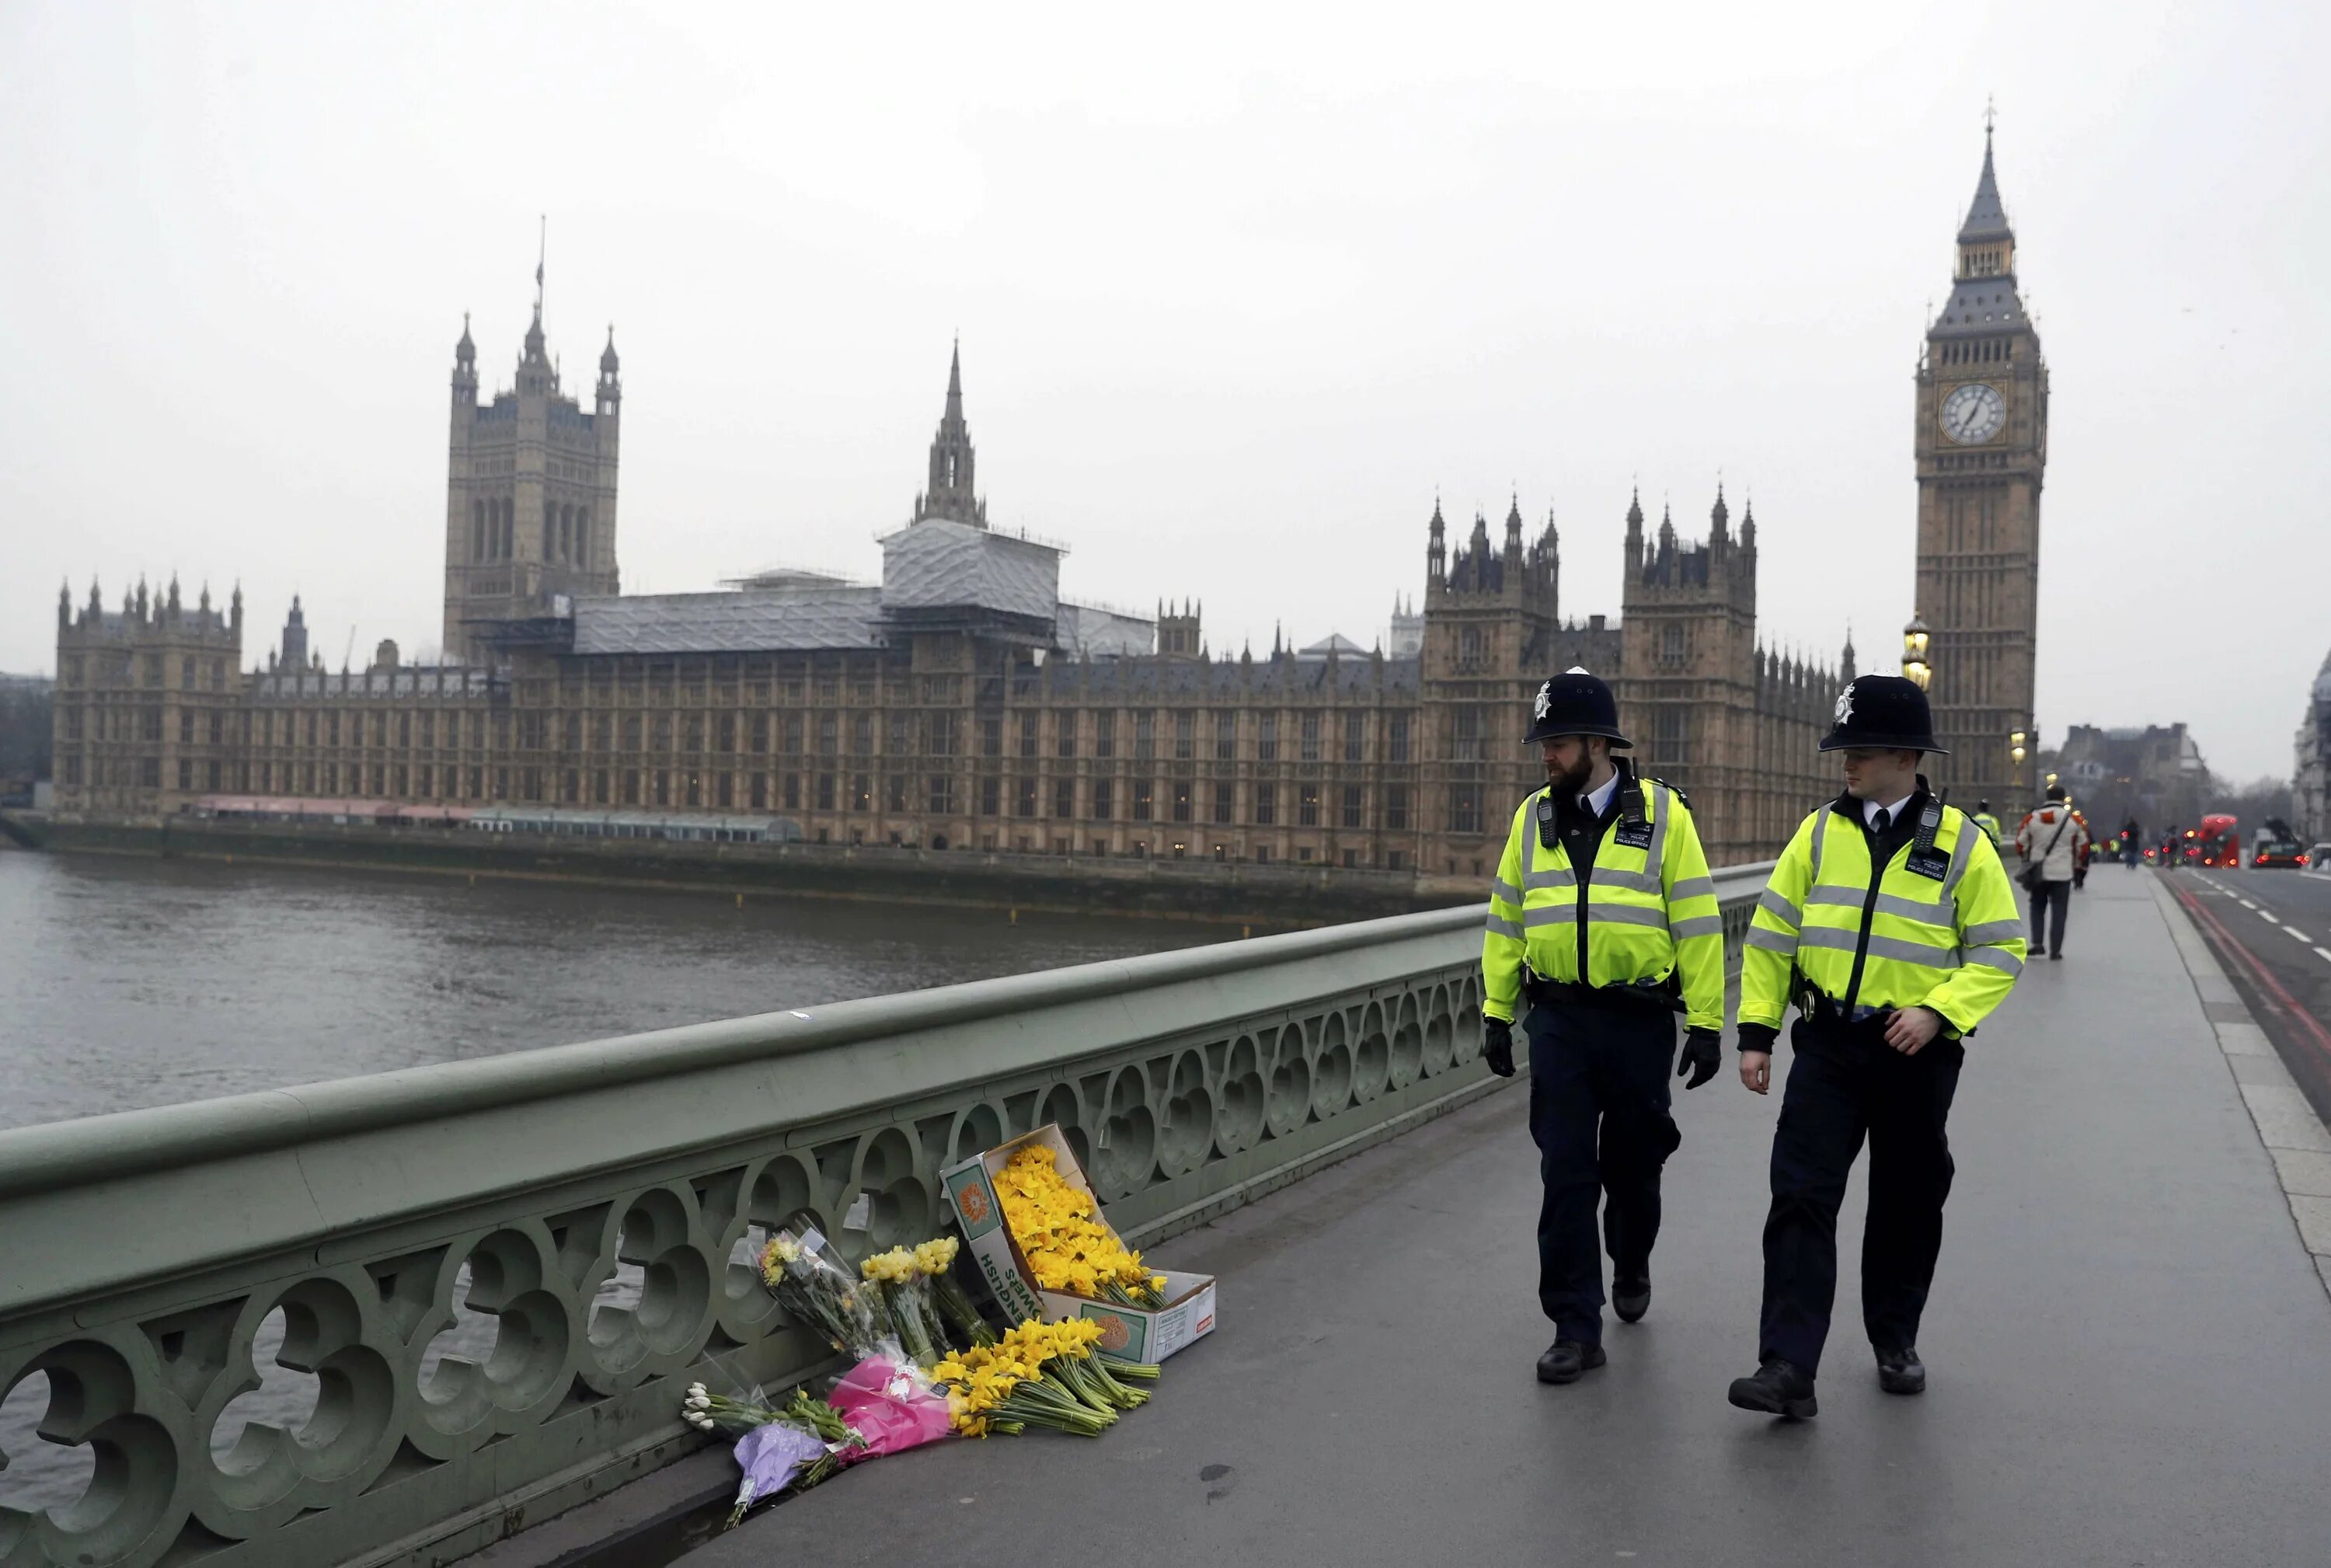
(2015, 750)
(1915, 667)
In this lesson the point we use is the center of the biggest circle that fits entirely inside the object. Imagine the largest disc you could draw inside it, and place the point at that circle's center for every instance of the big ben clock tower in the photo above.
(1981, 448)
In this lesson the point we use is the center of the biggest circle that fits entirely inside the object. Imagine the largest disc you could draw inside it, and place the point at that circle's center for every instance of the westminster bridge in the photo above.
(488, 1282)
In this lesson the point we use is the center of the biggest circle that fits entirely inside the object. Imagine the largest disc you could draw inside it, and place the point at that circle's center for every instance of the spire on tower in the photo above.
(949, 492)
(1986, 216)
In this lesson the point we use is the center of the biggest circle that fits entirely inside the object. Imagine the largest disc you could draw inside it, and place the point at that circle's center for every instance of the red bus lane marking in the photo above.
(2265, 977)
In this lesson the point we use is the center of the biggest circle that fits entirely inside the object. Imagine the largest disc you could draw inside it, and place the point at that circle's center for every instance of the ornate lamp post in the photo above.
(2015, 750)
(1915, 665)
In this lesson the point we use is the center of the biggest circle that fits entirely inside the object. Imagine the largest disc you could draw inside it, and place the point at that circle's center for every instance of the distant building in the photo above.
(2155, 774)
(958, 702)
(2311, 760)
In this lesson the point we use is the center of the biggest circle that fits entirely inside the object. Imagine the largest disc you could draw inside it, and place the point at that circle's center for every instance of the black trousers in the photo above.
(1846, 1082)
(1599, 1114)
(2056, 895)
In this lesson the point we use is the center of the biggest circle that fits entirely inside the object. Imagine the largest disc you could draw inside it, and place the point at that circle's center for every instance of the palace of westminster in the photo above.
(961, 703)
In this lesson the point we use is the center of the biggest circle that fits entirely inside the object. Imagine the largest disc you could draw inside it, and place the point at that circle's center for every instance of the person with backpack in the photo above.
(2051, 842)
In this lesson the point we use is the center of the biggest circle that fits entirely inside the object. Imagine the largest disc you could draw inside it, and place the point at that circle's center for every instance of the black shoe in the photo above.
(1565, 1359)
(1780, 1387)
(2055, 955)
(1901, 1371)
(1631, 1298)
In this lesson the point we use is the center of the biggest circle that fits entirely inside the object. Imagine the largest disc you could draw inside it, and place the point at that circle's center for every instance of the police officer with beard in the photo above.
(1603, 923)
(1889, 923)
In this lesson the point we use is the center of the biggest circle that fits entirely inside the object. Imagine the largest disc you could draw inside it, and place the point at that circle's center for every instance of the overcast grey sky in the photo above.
(1238, 288)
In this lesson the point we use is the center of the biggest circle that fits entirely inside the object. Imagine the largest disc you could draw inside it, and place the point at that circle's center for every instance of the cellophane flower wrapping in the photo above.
(800, 1271)
(771, 1455)
(891, 1405)
(896, 1278)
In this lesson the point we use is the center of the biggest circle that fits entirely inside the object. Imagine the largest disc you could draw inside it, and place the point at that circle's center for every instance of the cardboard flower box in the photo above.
(1133, 1333)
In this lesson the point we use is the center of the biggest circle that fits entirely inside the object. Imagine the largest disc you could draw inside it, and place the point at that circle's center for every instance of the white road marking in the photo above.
(2296, 932)
(2324, 954)
(2268, 913)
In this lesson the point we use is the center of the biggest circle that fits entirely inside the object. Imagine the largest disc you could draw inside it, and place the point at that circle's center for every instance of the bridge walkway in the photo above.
(2130, 1344)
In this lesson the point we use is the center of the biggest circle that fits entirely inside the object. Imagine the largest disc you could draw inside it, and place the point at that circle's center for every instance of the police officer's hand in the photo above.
(1497, 1046)
(1756, 1070)
(1702, 1052)
(1912, 1029)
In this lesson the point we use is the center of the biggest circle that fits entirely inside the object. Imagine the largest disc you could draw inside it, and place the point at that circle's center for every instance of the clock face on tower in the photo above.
(1973, 412)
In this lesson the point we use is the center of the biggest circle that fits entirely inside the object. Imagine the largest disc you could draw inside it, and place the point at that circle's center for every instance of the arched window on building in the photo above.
(582, 536)
(477, 530)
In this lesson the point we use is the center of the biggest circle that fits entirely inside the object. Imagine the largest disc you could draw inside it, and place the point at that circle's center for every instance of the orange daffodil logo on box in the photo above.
(972, 1203)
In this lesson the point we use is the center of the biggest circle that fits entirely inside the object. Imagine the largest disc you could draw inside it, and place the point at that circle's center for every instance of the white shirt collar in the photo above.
(1893, 808)
(1593, 805)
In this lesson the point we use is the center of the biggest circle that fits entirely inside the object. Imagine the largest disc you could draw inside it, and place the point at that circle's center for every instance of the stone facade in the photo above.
(529, 493)
(153, 705)
(1980, 437)
(957, 704)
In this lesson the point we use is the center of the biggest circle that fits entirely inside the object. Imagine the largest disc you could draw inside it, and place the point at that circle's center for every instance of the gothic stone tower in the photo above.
(531, 492)
(1490, 638)
(1981, 447)
(1687, 678)
(949, 493)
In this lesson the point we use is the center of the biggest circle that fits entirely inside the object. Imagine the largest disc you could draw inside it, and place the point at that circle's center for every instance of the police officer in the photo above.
(1890, 923)
(1987, 821)
(1603, 921)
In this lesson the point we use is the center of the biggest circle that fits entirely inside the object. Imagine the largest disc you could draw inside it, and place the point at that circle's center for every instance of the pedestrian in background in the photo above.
(2051, 842)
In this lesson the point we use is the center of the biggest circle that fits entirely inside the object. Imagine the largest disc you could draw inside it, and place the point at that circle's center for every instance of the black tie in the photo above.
(1878, 823)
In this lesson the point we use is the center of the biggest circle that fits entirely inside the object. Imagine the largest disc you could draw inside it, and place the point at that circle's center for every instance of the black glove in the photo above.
(1702, 1052)
(1497, 1046)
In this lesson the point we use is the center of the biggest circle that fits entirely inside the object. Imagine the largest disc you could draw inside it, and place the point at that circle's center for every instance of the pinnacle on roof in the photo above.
(955, 382)
(1986, 218)
(1635, 508)
(608, 363)
(465, 352)
(1720, 515)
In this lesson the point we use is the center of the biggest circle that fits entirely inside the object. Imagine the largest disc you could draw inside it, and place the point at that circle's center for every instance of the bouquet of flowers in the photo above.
(935, 1261)
(820, 1294)
(898, 1282)
(797, 1444)
(1067, 1248)
(1038, 1374)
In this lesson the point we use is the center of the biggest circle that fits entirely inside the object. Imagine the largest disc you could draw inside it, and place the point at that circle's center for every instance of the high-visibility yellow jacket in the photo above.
(1945, 936)
(1647, 909)
(1989, 824)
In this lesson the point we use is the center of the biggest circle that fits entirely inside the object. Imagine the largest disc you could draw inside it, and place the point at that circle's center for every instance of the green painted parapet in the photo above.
(581, 1219)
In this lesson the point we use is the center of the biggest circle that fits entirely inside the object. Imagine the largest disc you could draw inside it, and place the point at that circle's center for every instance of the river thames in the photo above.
(126, 982)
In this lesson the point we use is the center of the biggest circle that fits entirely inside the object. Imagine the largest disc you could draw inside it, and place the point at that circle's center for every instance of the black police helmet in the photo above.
(1883, 713)
(1576, 703)
(1983, 806)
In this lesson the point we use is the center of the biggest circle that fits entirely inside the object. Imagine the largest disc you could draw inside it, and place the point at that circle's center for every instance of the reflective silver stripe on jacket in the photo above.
(1996, 959)
(1778, 904)
(1624, 914)
(1821, 831)
(1551, 914)
(1984, 933)
(1693, 888)
(1696, 926)
(1501, 926)
(1960, 854)
(1772, 941)
(1920, 952)
(1558, 877)
(1888, 903)
(1501, 888)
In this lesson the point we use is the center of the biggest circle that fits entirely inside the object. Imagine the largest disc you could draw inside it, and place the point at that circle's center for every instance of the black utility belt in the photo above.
(1648, 996)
